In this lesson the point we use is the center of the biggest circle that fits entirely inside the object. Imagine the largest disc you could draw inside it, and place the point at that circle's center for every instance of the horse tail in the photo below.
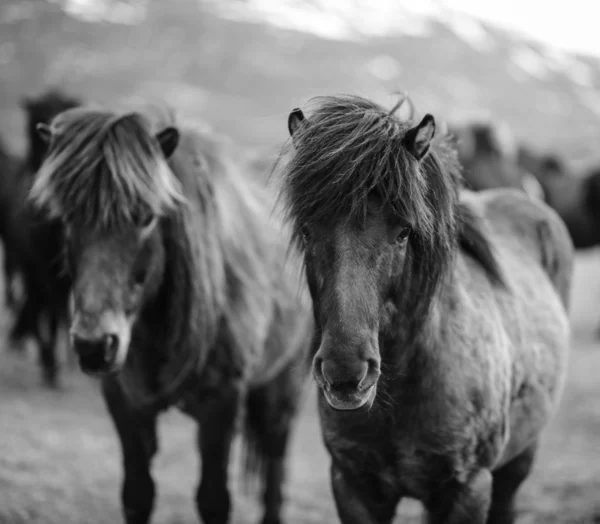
(557, 253)
(592, 192)
(270, 412)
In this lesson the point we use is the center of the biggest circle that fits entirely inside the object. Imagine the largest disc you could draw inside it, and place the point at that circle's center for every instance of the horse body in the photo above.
(33, 245)
(437, 372)
(486, 379)
(184, 290)
(569, 197)
(488, 153)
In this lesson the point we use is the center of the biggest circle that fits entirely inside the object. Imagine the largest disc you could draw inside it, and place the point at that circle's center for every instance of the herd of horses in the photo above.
(430, 308)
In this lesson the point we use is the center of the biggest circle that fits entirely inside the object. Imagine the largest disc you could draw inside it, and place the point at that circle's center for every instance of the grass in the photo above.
(60, 461)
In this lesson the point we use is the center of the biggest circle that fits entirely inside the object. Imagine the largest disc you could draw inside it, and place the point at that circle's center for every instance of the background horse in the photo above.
(575, 198)
(488, 152)
(442, 325)
(182, 295)
(10, 166)
(33, 245)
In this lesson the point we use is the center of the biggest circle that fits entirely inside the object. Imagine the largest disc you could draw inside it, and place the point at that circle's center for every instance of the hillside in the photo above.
(244, 76)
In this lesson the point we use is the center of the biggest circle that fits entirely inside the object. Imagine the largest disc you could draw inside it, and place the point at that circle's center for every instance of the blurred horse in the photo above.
(488, 152)
(575, 198)
(33, 245)
(10, 167)
(184, 294)
(442, 329)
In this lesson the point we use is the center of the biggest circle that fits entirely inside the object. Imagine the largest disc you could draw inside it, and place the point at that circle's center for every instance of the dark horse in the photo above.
(10, 166)
(182, 295)
(33, 245)
(487, 151)
(575, 198)
(441, 321)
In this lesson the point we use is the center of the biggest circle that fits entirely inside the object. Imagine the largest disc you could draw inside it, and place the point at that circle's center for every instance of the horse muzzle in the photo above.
(351, 400)
(347, 385)
(96, 355)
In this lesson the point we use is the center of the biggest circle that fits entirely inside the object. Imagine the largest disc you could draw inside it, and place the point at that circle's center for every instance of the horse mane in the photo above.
(351, 147)
(221, 288)
(104, 171)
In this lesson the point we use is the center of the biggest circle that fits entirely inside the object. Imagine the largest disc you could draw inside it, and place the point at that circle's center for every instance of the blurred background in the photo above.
(240, 66)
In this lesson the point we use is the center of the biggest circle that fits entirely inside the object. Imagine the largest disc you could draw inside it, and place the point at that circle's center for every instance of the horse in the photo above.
(9, 168)
(33, 245)
(442, 335)
(488, 152)
(184, 294)
(575, 198)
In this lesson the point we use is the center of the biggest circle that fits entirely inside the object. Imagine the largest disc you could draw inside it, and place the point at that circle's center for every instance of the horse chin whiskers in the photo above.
(354, 401)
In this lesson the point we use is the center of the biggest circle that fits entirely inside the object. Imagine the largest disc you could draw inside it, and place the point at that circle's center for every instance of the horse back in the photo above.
(525, 227)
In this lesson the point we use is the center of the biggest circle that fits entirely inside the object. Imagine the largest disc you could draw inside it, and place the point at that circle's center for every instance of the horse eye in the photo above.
(402, 234)
(305, 233)
(139, 275)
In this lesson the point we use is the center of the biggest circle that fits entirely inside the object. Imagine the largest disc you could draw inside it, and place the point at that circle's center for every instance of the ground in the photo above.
(60, 462)
(59, 457)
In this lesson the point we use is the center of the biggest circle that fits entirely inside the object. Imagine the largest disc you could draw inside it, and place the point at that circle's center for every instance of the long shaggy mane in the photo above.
(351, 147)
(222, 290)
(104, 171)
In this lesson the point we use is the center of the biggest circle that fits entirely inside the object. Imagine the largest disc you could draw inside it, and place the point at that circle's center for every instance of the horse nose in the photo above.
(104, 347)
(348, 375)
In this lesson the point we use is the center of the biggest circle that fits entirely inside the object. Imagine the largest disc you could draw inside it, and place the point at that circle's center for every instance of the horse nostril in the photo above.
(346, 375)
(318, 372)
(111, 344)
(86, 347)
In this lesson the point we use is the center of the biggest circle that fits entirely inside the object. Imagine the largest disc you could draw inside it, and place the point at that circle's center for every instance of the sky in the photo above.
(571, 25)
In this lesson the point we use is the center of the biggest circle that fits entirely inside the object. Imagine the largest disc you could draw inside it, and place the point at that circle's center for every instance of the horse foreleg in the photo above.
(137, 433)
(357, 503)
(217, 419)
(463, 503)
(507, 480)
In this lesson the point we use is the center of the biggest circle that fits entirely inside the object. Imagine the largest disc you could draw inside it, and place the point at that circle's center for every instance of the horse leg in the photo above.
(463, 503)
(137, 433)
(10, 271)
(217, 428)
(506, 482)
(270, 412)
(47, 341)
(356, 502)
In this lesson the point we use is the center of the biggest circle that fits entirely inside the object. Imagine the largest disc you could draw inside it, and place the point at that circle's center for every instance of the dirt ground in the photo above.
(60, 463)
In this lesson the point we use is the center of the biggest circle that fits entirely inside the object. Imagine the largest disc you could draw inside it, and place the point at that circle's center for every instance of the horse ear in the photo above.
(418, 139)
(44, 132)
(169, 140)
(296, 120)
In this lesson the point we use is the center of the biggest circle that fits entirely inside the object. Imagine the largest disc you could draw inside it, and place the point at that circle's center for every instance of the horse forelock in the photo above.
(352, 148)
(104, 170)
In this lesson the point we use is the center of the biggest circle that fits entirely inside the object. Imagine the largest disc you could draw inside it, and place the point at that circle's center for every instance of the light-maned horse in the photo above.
(184, 294)
(441, 321)
(488, 153)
